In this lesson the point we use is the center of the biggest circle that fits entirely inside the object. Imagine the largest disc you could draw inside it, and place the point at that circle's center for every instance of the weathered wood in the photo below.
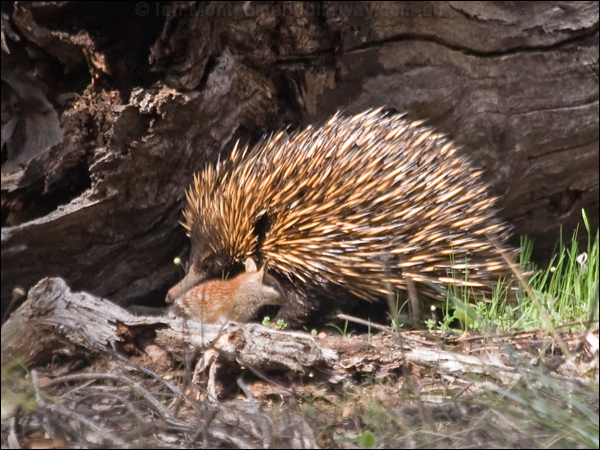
(147, 97)
(56, 319)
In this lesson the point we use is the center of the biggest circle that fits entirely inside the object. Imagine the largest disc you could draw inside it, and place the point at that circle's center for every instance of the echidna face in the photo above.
(210, 264)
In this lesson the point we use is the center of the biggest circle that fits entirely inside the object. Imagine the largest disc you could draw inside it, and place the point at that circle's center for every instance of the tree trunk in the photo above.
(107, 112)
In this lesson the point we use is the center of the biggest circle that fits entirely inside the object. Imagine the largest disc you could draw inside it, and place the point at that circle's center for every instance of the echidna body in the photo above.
(352, 208)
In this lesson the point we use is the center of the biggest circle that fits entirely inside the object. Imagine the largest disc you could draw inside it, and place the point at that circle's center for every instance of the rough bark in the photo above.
(55, 320)
(145, 97)
(78, 326)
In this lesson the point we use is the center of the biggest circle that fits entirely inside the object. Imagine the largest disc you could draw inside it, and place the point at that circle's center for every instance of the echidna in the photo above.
(353, 208)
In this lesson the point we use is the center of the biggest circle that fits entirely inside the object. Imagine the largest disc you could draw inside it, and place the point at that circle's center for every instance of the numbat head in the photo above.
(237, 299)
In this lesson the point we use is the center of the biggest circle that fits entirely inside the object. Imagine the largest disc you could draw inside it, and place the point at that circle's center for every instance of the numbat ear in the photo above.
(251, 268)
(250, 265)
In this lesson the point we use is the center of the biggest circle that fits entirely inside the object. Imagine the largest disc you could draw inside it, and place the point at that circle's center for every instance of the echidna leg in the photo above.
(415, 313)
(298, 309)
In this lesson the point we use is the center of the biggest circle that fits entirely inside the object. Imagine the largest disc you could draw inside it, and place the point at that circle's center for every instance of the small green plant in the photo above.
(565, 291)
(313, 331)
(17, 390)
(344, 331)
(279, 325)
(367, 439)
(431, 324)
(394, 313)
(567, 287)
